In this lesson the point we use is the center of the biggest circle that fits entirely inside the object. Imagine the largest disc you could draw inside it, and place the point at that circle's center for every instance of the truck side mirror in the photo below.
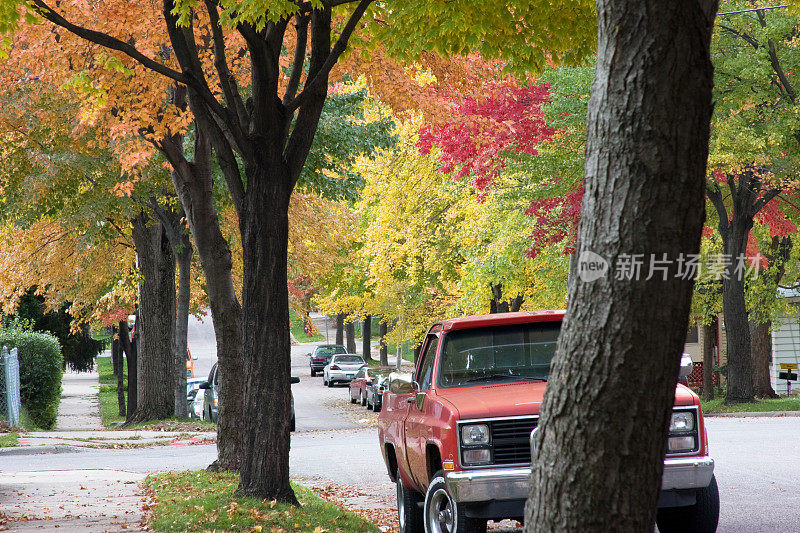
(686, 366)
(204, 385)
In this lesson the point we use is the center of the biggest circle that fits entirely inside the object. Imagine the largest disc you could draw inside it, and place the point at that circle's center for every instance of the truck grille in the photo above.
(511, 440)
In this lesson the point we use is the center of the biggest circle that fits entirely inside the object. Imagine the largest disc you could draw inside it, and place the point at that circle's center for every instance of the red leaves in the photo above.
(556, 221)
(474, 142)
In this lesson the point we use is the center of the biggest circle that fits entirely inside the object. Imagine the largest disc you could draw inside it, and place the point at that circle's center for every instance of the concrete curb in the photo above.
(746, 414)
(36, 450)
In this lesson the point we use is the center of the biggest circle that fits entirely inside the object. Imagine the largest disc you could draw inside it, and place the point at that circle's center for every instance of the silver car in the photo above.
(342, 368)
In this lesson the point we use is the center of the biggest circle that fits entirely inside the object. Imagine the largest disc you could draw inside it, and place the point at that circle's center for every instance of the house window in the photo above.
(692, 336)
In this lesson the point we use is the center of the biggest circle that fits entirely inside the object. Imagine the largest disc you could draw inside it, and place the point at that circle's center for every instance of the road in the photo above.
(758, 459)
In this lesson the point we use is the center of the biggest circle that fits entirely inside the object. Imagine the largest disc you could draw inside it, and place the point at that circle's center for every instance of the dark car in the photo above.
(375, 392)
(365, 377)
(321, 356)
(211, 398)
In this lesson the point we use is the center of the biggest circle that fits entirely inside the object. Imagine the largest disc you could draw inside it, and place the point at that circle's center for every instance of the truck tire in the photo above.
(702, 517)
(361, 399)
(409, 512)
(443, 514)
(313, 372)
(352, 400)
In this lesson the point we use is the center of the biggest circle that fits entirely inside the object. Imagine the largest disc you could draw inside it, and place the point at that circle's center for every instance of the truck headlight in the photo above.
(683, 435)
(682, 421)
(475, 435)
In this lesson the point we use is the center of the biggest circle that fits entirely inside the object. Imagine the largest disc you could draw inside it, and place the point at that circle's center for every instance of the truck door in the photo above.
(418, 425)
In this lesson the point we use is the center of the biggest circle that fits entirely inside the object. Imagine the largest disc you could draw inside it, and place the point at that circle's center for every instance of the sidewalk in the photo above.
(86, 499)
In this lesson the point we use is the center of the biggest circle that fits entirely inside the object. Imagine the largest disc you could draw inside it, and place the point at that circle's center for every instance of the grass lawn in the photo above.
(299, 330)
(791, 403)
(8, 439)
(109, 406)
(204, 501)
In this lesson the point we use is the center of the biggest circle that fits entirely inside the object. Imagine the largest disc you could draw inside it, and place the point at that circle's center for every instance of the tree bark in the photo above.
(619, 351)
(131, 349)
(709, 342)
(740, 368)
(265, 450)
(178, 235)
(499, 305)
(383, 351)
(761, 350)
(194, 184)
(350, 330)
(156, 326)
(116, 355)
(366, 338)
(340, 328)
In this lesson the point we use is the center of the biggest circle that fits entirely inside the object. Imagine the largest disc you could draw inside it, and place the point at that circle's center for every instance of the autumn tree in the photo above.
(754, 145)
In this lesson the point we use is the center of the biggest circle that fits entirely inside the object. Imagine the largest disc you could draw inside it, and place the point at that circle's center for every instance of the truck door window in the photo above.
(425, 373)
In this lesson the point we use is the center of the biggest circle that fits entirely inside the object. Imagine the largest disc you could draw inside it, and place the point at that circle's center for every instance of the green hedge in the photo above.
(40, 371)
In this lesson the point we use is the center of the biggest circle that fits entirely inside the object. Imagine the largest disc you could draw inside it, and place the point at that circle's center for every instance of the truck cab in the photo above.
(456, 434)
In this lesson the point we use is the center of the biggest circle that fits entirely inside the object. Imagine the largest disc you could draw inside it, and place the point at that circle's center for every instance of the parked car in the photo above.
(456, 434)
(342, 368)
(362, 381)
(211, 397)
(321, 356)
(196, 400)
(375, 392)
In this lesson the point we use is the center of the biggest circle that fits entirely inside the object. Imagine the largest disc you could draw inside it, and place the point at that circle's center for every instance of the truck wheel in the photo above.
(292, 424)
(409, 513)
(352, 400)
(361, 399)
(444, 515)
(702, 517)
(313, 372)
(330, 383)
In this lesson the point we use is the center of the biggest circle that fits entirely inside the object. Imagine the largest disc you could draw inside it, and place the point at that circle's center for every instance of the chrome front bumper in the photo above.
(512, 483)
(687, 472)
(489, 484)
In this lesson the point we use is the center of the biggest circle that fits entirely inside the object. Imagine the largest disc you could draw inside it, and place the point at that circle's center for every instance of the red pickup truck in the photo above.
(456, 434)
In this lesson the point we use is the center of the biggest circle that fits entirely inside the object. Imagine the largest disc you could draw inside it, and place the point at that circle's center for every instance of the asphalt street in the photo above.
(757, 459)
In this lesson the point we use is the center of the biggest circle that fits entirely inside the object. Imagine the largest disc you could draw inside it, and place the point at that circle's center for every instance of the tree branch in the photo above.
(321, 76)
(107, 41)
(750, 40)
(228, 82)
(714, 194)
(299, 58)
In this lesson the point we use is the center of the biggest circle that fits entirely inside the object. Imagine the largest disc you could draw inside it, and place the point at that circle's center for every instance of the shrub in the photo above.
(40, 371)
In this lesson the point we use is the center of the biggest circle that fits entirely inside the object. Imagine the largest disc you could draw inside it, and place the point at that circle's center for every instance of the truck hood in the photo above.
(496, 399)
(515, 399)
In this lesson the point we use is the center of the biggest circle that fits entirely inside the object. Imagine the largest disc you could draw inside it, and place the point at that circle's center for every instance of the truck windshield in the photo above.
(494, 354)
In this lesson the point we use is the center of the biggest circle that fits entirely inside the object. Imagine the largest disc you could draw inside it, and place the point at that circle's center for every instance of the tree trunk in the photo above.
(340, 328)
(740, 368)
(366, 338)
(647, 145)
(194, 184)
(131, 349)
(156, 326)
(761, 350)
(116, 355)
(499, 305)
(383, 351)
(115, 358)
(264, 226)
(350, 329)
(709, 342)
(178, 235)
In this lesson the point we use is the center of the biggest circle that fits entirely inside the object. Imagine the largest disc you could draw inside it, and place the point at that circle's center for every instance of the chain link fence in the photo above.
(9, 386)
